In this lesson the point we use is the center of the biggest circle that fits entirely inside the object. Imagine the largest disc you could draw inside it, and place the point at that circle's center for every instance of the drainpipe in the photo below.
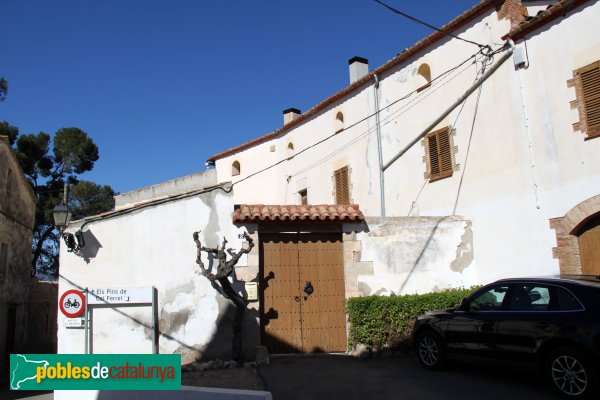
(451, 108)
(379, 153)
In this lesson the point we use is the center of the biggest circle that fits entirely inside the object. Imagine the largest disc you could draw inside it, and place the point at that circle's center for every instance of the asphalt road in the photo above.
(333, 377)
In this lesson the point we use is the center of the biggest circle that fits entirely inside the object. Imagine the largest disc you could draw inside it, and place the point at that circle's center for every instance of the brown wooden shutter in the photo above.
(440, 154)
(590, 87)
(445, 152)
(434, 165)
(342, 187)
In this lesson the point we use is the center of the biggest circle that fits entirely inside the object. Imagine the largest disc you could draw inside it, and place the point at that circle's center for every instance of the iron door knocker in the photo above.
(308, 288)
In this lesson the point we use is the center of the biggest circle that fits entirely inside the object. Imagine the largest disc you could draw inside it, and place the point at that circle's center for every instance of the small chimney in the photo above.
(290, 114)
(359, 67)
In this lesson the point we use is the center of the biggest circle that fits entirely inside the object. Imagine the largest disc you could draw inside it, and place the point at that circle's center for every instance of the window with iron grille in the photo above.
(342, 186)
(439, 154)
(587, 83)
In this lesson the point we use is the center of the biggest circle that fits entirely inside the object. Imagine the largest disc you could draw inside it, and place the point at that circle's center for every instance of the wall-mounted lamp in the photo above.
(62, 217)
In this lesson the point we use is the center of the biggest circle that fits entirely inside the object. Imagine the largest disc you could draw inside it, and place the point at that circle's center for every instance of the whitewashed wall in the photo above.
(519, 161)
(153, 246)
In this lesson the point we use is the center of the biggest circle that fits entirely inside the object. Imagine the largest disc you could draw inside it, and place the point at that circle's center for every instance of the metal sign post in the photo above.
(86, 319)
(104, 297)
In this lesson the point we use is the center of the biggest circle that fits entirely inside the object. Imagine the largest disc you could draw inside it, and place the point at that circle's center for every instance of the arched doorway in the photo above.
(589, 246)
(578, 238)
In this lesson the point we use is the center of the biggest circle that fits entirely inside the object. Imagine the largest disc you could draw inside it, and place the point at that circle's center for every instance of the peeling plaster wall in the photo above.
(154, 247)
(416, 255)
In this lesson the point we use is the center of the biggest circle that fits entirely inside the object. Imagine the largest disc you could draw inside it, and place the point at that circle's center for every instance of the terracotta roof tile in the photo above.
(323, 212)
(544, 17)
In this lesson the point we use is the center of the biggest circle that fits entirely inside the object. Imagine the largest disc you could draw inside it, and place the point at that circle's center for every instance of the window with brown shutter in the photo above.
(588, 91)
(439, 154)
(342, 186)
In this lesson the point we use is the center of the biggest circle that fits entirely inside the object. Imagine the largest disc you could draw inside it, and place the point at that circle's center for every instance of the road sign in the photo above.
(72, 303)
(120, 295)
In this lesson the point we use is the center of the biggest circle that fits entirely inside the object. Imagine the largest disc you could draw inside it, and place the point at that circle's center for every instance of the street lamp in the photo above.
(62, 216)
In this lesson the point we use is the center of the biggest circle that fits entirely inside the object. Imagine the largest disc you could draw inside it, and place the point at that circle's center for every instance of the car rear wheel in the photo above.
(570, 373)
(430, 350)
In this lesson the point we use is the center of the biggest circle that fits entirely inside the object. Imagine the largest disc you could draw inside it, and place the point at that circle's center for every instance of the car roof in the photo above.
(587, 280)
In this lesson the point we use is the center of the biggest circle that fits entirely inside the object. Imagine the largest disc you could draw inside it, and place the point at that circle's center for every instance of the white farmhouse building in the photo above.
(340, 204)
(502, 184)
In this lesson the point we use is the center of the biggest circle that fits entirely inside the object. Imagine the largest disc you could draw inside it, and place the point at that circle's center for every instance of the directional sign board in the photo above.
(72, 303)
(119, 295)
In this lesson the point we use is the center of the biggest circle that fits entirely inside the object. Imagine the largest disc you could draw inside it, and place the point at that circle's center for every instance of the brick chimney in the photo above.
(513, 10)
(358, 67)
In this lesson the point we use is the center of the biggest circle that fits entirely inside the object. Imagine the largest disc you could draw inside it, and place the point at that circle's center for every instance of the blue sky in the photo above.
(160, 86)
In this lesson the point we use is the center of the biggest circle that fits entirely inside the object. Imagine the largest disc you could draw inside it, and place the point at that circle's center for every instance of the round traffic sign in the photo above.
(72, 303)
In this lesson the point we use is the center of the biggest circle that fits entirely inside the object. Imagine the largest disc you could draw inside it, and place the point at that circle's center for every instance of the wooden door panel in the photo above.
(281, 317)
(317, 322)
(324, 317)
(589, 249)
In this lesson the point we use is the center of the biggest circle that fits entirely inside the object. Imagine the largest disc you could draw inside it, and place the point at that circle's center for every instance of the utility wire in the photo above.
(355, 123)
(395, 115)
(428, 25)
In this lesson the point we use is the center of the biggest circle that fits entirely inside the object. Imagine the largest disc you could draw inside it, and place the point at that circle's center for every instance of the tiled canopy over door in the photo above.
(303, 293)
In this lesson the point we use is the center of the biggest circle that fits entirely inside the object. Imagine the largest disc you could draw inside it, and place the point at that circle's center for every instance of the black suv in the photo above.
(553, 322)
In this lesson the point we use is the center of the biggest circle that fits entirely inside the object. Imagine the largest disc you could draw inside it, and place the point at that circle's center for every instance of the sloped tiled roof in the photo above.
(556, 10)
(265, 213)
(451, 26)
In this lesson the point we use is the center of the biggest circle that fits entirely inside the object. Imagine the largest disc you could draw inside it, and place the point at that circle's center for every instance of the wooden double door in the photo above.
(303, 301)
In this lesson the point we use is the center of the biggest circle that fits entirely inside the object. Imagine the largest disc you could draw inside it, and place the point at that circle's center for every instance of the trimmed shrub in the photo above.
(381, 322)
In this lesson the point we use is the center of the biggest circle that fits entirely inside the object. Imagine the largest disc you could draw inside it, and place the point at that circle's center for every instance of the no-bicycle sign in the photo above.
(72, 303)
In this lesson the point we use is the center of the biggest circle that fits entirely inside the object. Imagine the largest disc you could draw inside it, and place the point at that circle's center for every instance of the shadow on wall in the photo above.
(90, 248)
(220, 344)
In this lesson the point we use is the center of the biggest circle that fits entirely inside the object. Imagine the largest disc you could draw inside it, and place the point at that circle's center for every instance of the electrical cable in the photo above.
(355, 123)
(429, 25)
(395, 115)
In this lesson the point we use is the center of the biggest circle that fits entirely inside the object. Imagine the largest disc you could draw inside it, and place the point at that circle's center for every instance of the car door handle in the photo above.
(542, 325)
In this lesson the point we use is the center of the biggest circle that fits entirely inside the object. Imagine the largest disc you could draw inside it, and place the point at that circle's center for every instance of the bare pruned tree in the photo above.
(220, 281)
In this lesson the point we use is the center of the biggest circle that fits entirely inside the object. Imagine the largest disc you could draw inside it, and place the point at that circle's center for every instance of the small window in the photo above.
(303, 194)
(587, 81)
(439, 154)
(339, 122)
(490, 299)
(3, 259)
(272, 149)
(423, 78)
(291, 146)
(342, 186)
(235, 168)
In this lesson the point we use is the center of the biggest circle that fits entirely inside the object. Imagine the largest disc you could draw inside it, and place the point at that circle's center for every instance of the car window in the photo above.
(529, 297)
(565, 301)
(490, 299)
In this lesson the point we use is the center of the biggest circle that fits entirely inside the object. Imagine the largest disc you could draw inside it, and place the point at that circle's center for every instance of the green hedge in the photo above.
(381, 322)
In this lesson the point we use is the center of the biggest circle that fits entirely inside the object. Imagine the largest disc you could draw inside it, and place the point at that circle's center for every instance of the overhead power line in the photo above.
(354, 124)
(392, 9)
